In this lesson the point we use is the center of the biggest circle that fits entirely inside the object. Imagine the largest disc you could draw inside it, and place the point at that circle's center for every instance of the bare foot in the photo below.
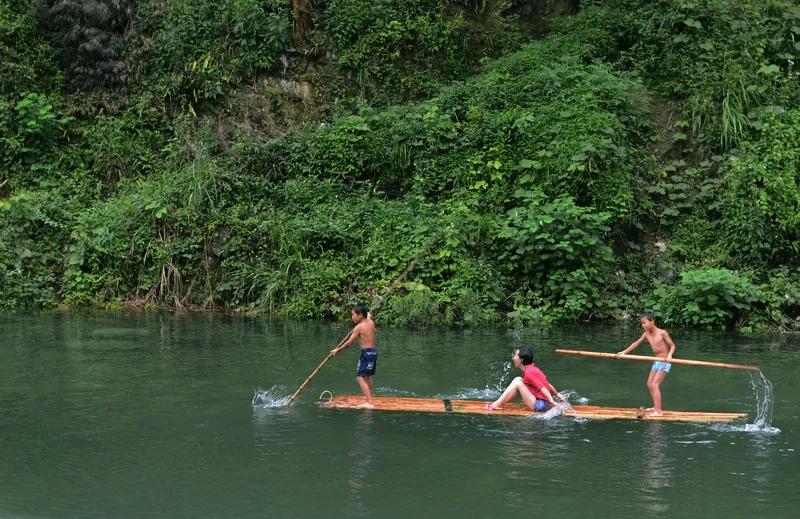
(365, 405)
(653, 412)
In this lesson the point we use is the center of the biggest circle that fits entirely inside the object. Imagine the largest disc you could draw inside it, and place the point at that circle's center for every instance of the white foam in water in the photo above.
(762, 389)
(487, 393)
(551, 413)
(392, 391)
(559, 409)
(571, 394)
(272, 397)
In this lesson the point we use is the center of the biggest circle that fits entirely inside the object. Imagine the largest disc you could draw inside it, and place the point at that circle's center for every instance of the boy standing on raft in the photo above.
(664, 348)
(365, 332)
(532, 387)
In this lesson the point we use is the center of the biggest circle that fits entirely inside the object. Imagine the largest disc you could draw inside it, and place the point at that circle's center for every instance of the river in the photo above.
(150, 416)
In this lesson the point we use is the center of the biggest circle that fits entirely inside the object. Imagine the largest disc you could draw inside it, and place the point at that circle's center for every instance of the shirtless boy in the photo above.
(365, 332)
(664, 348)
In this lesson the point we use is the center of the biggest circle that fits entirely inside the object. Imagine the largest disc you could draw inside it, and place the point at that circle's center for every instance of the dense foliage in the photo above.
(435, 159)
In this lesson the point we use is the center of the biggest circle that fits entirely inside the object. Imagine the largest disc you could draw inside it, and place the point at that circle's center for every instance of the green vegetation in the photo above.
(440, 160)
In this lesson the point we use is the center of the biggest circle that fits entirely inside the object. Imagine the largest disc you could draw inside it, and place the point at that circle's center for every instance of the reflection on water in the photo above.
(525, 457)
(361, 452)
(763, 450)
(531, 450)
(658, 470)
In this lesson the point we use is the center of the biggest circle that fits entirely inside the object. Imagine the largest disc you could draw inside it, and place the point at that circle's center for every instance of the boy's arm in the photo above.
(670, 343)
(548, 395)
(554, 391)
(635, 344)
(350, 339)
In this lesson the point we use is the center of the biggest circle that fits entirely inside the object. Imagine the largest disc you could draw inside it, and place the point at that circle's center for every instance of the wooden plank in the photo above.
(438, 405)
(647, 358)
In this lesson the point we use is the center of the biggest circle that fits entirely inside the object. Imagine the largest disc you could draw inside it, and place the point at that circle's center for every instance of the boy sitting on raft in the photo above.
(664, 348)
(532, 387)
(365, 332)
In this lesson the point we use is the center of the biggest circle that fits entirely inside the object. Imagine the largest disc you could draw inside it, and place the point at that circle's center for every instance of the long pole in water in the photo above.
(303, 385)
(650, 359)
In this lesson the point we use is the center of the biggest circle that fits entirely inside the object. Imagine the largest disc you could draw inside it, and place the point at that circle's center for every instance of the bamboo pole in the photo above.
(306, 381)
(645, 358)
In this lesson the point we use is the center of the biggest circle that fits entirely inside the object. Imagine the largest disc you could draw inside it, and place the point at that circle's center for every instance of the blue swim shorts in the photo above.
(367, 362)
(541, 406)
(660, 365)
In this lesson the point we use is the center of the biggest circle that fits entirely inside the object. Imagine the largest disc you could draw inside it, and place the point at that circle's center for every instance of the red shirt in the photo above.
(535, 379)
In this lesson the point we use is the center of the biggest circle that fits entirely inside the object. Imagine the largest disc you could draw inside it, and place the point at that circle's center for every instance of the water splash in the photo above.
(746, 428)
(762, 388)
(762, 424)
(272, 397)
(561, 407)
(504, 369)
(573, 395)
(553, 412)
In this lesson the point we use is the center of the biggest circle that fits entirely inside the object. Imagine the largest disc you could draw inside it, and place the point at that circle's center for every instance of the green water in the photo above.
(147, 416)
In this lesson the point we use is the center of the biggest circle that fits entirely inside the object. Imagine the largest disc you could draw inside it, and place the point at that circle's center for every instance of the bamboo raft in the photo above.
(593, 412)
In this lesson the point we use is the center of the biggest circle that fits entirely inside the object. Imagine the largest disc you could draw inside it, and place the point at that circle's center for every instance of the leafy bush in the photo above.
(29, 248)
(393, 51)
(518, 120)
(37, 126)
(418, 305)
(709, 298)
(558, 252)
(118, 148)
(781, 301)
(724, 58)
(202, 47)
(25, 63)
(760, 206)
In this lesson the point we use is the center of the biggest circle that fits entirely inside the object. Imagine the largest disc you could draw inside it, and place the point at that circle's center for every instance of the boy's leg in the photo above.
(517, 387)
(654, 385)
(366, 387)
(650, 378)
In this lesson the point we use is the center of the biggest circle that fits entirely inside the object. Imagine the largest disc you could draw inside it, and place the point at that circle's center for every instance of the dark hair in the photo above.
(650, 317)
(361, 310)
(525, 355)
